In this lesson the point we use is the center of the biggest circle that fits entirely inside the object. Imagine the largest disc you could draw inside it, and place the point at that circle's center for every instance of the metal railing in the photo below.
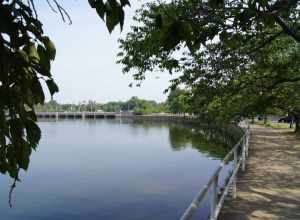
(240, 154)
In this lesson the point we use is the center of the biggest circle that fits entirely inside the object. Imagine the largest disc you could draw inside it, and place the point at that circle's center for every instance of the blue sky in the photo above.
(85, 67)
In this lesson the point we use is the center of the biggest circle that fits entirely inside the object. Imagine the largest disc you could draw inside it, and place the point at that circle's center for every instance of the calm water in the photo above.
(113, 170)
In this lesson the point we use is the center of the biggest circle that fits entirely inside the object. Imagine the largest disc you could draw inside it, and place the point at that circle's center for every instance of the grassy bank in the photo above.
(275, 125)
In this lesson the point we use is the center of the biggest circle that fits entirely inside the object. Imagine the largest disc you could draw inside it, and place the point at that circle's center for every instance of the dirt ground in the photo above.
(270, 187)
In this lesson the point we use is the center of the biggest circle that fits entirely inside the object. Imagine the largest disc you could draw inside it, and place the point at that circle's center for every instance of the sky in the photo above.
(85, 66)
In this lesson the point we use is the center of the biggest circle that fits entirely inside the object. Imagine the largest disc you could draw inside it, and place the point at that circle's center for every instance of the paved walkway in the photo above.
(270, 187)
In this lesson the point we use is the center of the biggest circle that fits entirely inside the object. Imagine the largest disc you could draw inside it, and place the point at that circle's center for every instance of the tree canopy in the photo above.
(235, 58)
(25, 60)
(177, 101)
(134, 105)
(182, 28)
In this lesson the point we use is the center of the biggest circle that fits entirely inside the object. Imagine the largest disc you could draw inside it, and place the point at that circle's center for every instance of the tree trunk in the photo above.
(297, 127)
(265, 119)
(297, 121)
(291, 119)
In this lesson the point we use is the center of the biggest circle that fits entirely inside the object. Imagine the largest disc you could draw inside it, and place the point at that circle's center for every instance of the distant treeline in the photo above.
(173, 104)
(135, 105)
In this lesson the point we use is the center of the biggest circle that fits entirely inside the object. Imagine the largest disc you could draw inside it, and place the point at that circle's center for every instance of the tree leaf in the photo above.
(53, 88)
(24, 157)
(44, 61)
(33, 132)
(113, 14)
(101, 9)
(50, 48)
(32, 52)
(31, 115)
(124, 3)
(37, 91)
(216, 3)
(92, 3)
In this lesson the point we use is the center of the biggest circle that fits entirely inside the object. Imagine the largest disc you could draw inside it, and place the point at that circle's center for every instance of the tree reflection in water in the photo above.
(213, 140)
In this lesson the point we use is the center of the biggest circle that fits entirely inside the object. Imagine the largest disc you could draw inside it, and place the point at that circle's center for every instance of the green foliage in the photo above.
(53, 106)
(269, 81)
(267, 124)
(110, 11)
(235, 59)
(113, 106)
(213, 139)
(136, 106)
(177, 101)
(169, 34)
(25, 60)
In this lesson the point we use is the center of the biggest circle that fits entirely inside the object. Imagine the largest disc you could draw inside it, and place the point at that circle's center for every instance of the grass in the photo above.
(275, 125)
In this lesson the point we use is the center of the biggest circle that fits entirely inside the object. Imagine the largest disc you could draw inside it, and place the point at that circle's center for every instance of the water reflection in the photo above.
(213, 140)
(115, 170)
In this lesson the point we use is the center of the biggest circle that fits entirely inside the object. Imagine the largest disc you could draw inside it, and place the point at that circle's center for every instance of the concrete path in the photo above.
(270, 187)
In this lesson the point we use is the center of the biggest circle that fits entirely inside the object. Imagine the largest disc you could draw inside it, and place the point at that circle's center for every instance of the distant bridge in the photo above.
(97, 115)
(79, 115)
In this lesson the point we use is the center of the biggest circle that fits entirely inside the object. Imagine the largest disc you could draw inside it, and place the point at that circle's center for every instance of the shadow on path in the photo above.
(270, 187)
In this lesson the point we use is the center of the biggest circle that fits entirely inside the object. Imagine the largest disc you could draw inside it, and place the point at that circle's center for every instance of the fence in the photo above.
(240, 154)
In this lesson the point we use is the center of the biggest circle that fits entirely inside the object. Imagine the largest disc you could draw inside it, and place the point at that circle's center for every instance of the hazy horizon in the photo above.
(85, 66)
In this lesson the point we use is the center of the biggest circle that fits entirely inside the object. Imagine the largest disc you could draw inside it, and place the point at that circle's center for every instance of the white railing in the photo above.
(240, 154)
(82, 115)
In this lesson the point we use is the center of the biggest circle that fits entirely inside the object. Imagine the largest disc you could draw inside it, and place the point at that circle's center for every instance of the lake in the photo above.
(114, 169)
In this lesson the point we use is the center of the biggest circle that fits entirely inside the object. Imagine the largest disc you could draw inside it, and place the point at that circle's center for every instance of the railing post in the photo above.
(248, 139)
(234, 167)
(214, 197)
(247, 143)
(244, 153)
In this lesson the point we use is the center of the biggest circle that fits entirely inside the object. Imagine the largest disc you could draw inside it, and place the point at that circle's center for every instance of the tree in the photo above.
(182, 28)
(270, 80)
(229, 55)
(177, 101)
(25, 59)
(135, 105)
(110, 11)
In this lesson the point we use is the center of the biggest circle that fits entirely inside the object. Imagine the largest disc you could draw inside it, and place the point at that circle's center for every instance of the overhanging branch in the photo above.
(269, 40)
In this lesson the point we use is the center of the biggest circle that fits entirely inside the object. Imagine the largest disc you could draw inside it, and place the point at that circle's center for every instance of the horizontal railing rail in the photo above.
(240, 154)
(82, 114)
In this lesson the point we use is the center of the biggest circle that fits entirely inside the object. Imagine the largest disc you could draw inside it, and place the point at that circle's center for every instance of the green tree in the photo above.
(235, 60)
(177, 101)
(168, 35)
(270, 80)
(25, 59)
(112, 106)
